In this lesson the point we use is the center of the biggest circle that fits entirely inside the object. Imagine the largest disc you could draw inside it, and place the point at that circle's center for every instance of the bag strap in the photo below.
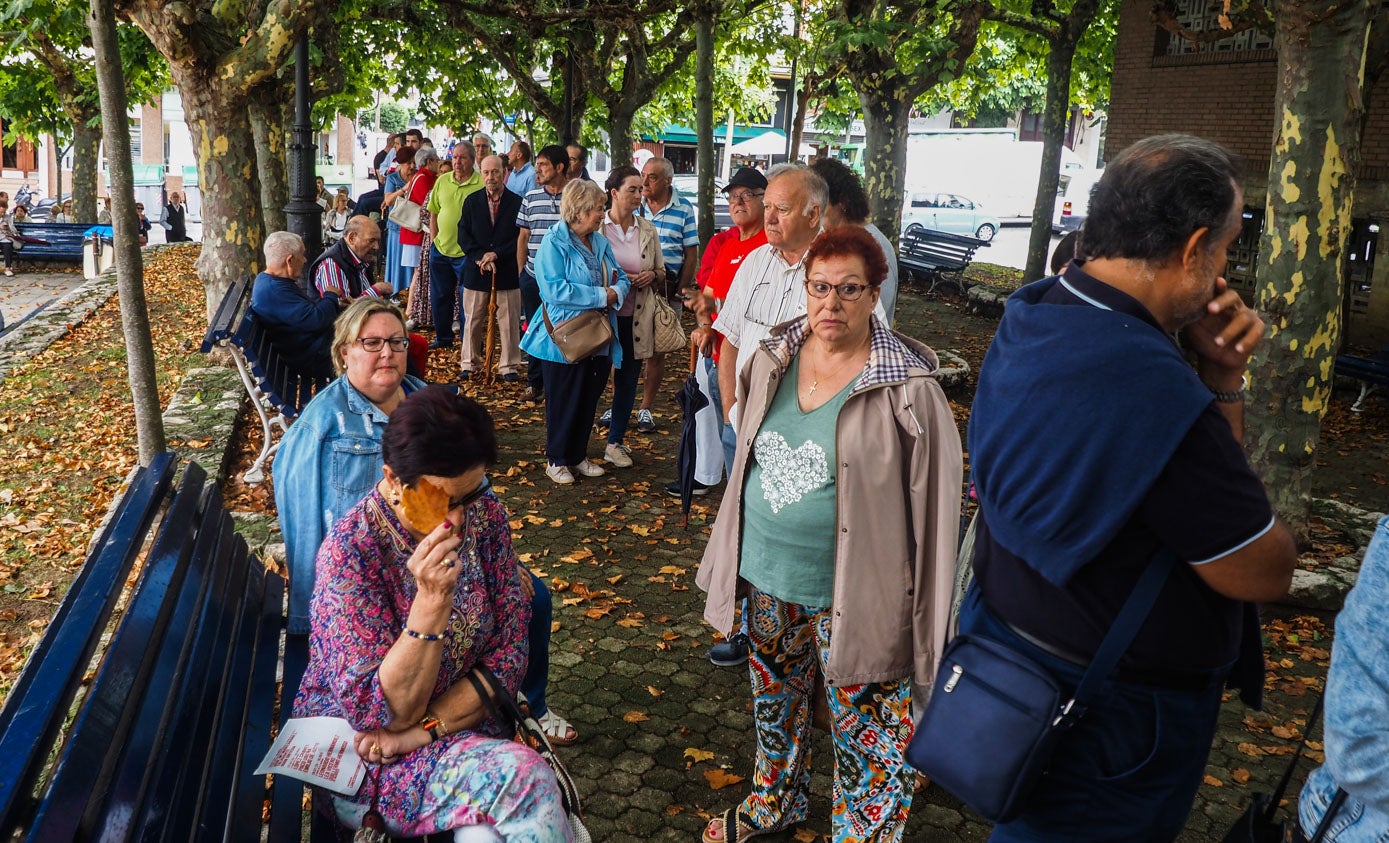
(481, 678)
(1292, 765)
(1333, 808)
(1121, 634)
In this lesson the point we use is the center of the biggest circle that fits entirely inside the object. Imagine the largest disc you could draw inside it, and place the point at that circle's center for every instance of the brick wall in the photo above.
(1227, 98)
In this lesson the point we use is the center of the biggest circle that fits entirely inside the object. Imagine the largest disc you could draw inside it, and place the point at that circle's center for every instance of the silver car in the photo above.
(948, 212)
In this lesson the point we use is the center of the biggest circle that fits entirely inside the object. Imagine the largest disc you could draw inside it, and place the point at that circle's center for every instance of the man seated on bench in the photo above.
(300, 326)
(347, 264)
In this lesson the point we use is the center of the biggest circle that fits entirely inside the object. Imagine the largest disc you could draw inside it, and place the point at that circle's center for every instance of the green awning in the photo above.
(190, 175)
(148, 174)
(676, 133)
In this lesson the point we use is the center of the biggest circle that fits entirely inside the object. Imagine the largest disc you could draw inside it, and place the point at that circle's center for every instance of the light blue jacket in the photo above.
(327, 461)
(1357, 711)
(567, 289)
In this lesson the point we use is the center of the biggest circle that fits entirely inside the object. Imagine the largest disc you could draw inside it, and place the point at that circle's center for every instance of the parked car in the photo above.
(1072, 201)
(948, 212)
(688, 185)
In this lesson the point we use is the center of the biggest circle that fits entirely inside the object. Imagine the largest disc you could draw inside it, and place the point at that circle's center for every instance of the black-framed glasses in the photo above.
(740, 198)
(846, 292)
(472, 497)
(373, 344)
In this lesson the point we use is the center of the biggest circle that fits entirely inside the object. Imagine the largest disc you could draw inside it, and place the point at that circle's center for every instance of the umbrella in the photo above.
(488, 359)
(692, 400)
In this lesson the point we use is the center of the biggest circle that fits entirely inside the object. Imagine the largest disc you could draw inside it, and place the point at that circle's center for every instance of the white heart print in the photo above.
(786, 474)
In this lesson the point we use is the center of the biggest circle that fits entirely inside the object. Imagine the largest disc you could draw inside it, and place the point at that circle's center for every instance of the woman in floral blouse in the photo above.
(400, 617)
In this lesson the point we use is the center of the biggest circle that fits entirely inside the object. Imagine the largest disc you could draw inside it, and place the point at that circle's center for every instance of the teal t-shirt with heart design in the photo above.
(789, 507)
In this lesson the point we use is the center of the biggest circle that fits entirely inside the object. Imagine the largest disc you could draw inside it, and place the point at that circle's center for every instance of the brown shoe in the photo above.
(536, 395)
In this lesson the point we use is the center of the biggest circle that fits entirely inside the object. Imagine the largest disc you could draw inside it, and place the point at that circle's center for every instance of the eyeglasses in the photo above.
(472, 497)
(740, 198)
(846, 292)
(373, 344)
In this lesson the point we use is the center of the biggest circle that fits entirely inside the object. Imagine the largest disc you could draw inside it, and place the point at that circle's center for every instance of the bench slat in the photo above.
(84, 773)
(250, 793)
(286, 815)
(39, 702)
(233, 303)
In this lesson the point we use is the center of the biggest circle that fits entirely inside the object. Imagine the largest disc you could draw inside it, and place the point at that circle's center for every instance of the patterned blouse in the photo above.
(361, 598)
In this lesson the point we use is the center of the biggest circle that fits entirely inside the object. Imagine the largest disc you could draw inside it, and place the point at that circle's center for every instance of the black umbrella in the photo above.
(692, 400)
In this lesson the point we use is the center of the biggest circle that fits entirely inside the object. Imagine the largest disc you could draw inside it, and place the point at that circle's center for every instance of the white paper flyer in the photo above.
(318, 750)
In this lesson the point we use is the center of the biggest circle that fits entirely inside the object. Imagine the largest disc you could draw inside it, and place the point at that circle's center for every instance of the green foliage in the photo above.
(394, 116)
(48, 80)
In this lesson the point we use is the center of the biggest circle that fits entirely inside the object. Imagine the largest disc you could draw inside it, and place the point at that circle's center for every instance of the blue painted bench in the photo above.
(182, 701)
(1372, 372)
(65, 241)
(937, 258)
(278, 391)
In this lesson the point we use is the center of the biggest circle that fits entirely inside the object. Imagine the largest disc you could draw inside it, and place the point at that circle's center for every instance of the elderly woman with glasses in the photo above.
(331, 457)
(576, 271)
(839, 525)
(418, 595)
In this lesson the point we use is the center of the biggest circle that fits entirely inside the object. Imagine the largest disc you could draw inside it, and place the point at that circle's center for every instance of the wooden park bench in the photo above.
(936, 258)
(278, 391)
(65, 240)
(172, 718)
(1372, 372)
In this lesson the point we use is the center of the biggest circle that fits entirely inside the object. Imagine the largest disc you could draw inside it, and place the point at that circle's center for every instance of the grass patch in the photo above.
(67, 441)
(1004, 278)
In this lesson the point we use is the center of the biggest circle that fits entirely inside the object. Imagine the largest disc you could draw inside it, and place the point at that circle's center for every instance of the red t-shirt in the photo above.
(419, 188)
(724, 265)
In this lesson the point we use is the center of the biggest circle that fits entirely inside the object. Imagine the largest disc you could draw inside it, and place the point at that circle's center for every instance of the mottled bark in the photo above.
(620, 137)
(1054, 118)
(86, 150)
(219, 121)
(1316, 151)
(704, 120)
(268, 127)
(886, 118)
(130, 284)
(798, 120)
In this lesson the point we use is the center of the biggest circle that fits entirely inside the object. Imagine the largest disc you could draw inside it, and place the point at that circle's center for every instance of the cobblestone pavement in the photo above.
(25, 292)
(661, 728)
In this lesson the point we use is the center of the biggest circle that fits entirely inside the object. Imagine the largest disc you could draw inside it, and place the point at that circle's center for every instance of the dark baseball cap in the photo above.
(747, 177)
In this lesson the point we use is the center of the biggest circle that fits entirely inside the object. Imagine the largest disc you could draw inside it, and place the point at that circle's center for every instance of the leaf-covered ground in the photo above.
(67, 441)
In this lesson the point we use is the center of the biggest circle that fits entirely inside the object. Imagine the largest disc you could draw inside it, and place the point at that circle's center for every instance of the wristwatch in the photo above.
(432, 724)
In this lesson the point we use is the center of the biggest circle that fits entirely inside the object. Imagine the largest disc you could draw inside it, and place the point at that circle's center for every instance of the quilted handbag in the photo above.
(405, 213)
(670, 334)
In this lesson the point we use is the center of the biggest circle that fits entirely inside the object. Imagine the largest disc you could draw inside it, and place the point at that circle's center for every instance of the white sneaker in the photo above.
(619, 455)
(645, 422)
(560, 474)
(589, 468)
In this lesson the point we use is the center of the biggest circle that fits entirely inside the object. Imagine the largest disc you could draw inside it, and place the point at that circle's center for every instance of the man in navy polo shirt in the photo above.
(1094, 444)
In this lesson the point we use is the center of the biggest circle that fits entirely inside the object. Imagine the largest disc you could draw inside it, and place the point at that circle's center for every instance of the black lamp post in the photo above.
(303, 213)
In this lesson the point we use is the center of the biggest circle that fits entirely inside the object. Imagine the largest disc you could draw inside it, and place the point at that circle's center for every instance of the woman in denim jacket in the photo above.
(330, 458)
(1357, 712)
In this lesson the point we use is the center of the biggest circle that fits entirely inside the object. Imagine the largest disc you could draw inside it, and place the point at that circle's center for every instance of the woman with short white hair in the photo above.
(576, 271)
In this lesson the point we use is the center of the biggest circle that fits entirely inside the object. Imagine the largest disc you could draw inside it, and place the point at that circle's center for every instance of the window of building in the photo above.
(1204, 16)
(136, 140)
(18, 154)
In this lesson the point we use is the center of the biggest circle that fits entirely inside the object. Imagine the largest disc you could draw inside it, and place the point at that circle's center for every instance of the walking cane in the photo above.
(491, 378)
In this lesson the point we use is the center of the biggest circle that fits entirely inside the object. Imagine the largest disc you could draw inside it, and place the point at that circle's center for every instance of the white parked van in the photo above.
(1073, 200)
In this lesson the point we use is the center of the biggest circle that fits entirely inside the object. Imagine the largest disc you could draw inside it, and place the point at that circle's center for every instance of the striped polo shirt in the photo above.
(539, 211)
(678, 228)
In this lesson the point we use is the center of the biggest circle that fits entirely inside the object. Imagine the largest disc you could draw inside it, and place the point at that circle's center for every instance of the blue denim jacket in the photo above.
(327, 461)
(1357, 711)
(567, 289)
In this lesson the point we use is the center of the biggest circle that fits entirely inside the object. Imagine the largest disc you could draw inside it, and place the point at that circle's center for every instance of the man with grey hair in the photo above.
(347, 264)
(482, 145)
(300, 326)
(446, 256)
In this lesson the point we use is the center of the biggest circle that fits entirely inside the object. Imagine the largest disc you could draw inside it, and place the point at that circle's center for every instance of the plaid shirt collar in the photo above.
(890, 359)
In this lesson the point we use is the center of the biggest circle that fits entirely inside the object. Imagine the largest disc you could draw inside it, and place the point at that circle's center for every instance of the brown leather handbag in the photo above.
(580, 337)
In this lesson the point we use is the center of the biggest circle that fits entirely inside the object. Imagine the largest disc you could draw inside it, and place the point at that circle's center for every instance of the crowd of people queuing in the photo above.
(832, 567)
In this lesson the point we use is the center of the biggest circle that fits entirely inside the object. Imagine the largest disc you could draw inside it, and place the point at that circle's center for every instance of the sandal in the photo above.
(745, 830)
(557, 729)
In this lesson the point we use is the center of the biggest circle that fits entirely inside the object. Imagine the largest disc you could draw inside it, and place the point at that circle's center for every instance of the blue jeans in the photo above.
(624, 383)
(726, 435)
(530, 303)
(538, 667)
(1128, 770)
(445, 280)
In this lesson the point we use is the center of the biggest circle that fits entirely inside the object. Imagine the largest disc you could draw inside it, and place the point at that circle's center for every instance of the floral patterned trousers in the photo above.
(870, 726)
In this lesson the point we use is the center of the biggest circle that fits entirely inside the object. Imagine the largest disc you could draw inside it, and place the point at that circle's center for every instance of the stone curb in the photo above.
(201, 417)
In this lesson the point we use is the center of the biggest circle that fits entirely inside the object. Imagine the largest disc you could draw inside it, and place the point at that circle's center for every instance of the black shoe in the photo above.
(536, 395)
(730, 653)
(438, 343)
(464, 377)
(511, 377)
(673, 489)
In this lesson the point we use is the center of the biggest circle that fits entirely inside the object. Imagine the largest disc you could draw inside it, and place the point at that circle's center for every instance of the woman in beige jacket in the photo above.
(840, 524)
(638, 251)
